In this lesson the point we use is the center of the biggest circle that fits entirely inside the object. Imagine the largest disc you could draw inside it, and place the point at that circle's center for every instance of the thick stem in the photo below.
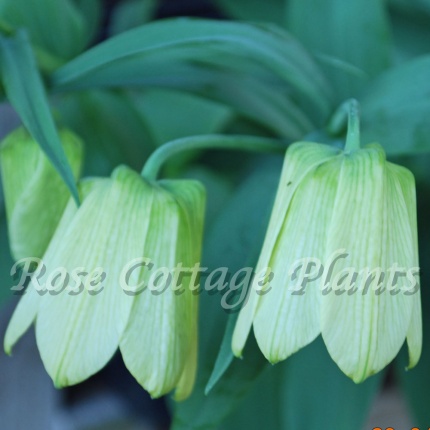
(154, 163)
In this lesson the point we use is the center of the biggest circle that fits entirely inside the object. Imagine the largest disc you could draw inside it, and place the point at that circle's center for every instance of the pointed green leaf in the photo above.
(25, 92)
(225, 356)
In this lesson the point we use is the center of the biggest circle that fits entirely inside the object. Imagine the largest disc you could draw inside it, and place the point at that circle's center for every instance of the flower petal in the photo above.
(22, 318)
(415, 332)
(364, 329)
(288, 316)
(159, 343)
(26, 310)
(300, 159)
(77, 334)
(35, 194)
(191, 197)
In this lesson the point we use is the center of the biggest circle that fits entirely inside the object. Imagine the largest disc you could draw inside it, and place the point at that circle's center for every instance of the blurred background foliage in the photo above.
(127, 79)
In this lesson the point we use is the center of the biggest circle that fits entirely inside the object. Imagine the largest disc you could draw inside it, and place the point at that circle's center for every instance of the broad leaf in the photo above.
(411, 32)
(132, 13)
(261, 407)
(307, 391)
(355, 32)
(239, 229)
(396, 108)
(191, 115)
(315, 391)
(254, 10)
(56, 26)
(6, 261)
(114, 130)
(416, 382)
(91, 12)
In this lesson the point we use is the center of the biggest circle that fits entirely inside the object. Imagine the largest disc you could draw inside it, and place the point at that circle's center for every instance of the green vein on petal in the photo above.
(414, 337)
(393, 310)
(349, 321)
(77, 335)
(35, 194)
(191, 198)
(22, 318)
(285, 322)
(155, 315)
(300, 159)
(28, 306)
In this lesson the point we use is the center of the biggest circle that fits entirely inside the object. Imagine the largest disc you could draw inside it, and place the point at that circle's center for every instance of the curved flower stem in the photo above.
(154, 163)
(353, 135)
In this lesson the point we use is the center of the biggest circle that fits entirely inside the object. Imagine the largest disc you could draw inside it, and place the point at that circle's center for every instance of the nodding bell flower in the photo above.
(35, 194)
(342, 248)
(123, 244)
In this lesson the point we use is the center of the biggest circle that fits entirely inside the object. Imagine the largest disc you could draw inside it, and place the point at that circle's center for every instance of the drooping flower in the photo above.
(355, 213)
(35, 194)
(124, 231)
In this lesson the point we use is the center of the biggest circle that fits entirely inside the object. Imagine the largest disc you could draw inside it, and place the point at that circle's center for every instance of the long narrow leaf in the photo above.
(25, 91)
(254, 96)
(225, 356)
(225, 46)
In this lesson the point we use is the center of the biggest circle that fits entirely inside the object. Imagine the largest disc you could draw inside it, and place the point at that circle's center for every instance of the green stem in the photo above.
(353, 135)
(154, 163)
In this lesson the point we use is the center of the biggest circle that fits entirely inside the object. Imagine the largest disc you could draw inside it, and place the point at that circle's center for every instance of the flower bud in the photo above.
(35, 194)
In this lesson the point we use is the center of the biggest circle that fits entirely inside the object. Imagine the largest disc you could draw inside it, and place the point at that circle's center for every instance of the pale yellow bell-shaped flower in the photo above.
(129, 228)
(35, 193)
(338, 213)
